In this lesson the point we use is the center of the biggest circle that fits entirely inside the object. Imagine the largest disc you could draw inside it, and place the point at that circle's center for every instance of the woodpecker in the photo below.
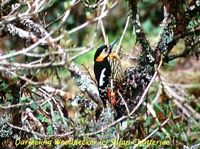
(108, 73)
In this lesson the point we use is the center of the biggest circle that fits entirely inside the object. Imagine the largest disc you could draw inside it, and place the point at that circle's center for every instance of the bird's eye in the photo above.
(106, 50)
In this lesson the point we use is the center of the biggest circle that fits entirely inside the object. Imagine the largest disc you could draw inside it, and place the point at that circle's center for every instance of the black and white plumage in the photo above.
(102, 70)
(108, 73)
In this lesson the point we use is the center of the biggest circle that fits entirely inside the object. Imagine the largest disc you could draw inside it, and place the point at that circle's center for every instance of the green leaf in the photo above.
(158, 108)
(147, 121)
(3, 85)
(42, 118)
(25, 99)
(49, 130)
(33, 106)
(9, 97)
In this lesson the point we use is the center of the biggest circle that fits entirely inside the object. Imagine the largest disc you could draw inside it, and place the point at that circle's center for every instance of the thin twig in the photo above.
(40, 41)
(127, 109)
(88, 72)
(83, 25)
(20, 104)
(63, 135)
(123, 34)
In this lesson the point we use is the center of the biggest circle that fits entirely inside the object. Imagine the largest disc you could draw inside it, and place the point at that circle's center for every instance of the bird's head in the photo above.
(103, 52)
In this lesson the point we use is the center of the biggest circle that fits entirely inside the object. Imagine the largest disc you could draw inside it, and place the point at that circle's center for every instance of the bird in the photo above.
(108, 73)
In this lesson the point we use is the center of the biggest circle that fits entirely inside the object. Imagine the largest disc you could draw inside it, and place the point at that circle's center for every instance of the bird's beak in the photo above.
(113, 55)
(113, 43)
